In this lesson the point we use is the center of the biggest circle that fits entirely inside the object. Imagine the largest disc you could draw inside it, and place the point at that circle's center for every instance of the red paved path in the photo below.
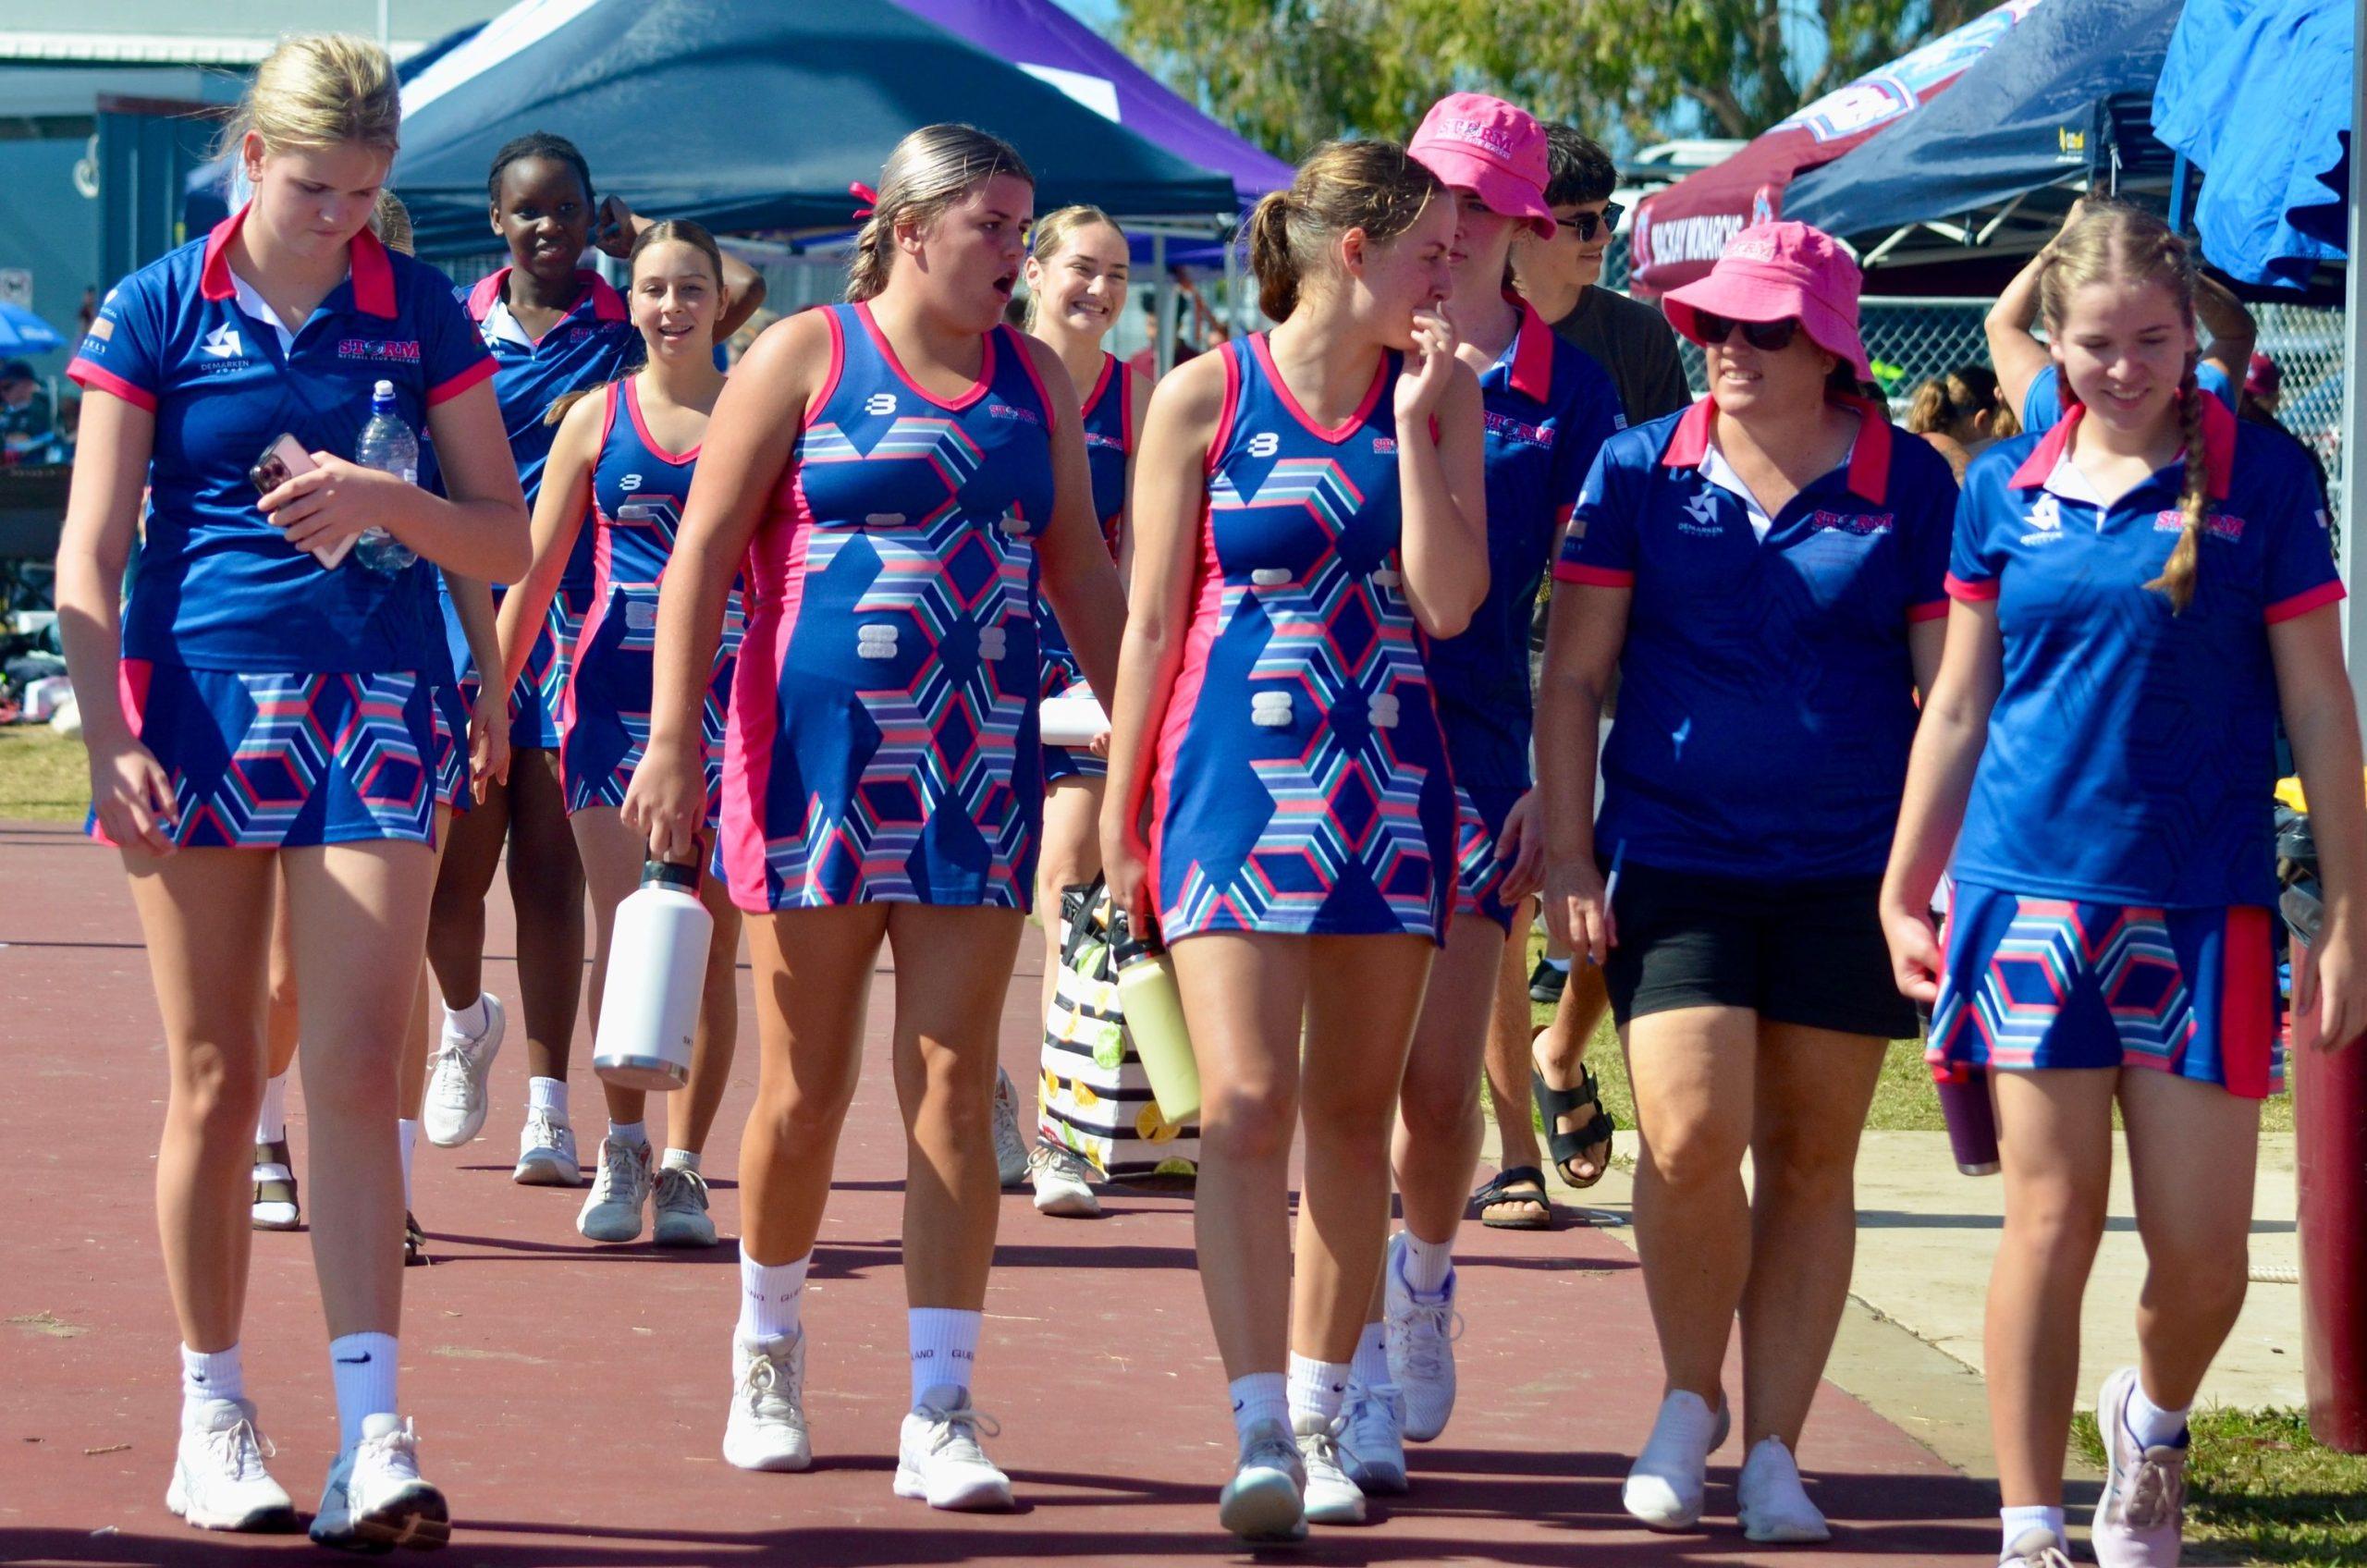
(570, 1399)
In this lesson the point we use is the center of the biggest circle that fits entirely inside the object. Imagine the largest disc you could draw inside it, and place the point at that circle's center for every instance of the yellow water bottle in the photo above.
(1154, 1013)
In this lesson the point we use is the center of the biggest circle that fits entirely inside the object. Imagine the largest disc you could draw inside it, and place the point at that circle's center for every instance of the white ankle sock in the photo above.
(210, 1375)
(2019, 1520)
(771, 1296)
(680, 1159)
(944, 1341)
(548, 1095)
(2151, 1424)
(1427, 1264)
(1560, 964)
(272, 1125)
(632, 1134)
(407, 1137)
(1260, 1396)
(1316, 1388)
(470, 1021)
(364, 1367)
(1372, 1356)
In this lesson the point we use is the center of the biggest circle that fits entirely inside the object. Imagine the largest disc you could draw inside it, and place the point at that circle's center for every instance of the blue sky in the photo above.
(1100, 13)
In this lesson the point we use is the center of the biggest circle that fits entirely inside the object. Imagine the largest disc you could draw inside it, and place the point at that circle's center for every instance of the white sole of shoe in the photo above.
(1782, 1533)
(417, 1518)
(273, 1519)
(275, 1217)
(608, 1233)
(1656, 1507)
(467, 1135)
(1068, 1204)
(1343, 1511)
(982, 1496)
(769, 1460)
(698, 1232)
(1262, 1506)
(550, 1172)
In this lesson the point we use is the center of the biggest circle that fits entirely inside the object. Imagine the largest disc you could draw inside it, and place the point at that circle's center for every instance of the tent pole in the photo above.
(1164, 342)
(1232, 289)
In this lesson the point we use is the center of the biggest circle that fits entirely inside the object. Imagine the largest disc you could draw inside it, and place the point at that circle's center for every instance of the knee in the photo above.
(2055, 1223)
(2203, 1279)
(1692, 1154)
(1807, 1172)
(219, 1091)
(1247, 1127)
(348, 1086)
(1436, 1110)
(803, 1111)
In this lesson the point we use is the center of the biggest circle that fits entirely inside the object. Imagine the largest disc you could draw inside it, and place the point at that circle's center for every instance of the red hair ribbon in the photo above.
(863, 193)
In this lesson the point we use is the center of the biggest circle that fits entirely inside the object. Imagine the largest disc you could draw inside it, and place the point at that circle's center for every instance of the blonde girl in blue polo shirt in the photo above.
(2138, 592)
(258, 711)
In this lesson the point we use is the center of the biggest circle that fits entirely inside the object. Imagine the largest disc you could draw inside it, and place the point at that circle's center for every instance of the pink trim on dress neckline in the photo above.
(641, 427)
(887, 352)
(1338, 433)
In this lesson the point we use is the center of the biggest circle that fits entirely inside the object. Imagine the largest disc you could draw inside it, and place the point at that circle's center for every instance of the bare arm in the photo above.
(1925, 642)
(1443, 486)
(2014, 349)
(559, 508)
(1078, 579)
(130, 793)
(1171, 489)
(1585, 626)
(489, 719)
(1948, 742)
(2233, 331)
(2317, 699)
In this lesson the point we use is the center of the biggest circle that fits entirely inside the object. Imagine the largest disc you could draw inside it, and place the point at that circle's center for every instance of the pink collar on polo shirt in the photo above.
(1532, 371)
(373, 275)
(1688, 444)
(606, 304)
(2054, 448)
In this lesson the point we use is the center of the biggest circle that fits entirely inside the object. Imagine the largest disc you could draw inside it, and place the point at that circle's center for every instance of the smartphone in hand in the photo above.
(281, 462)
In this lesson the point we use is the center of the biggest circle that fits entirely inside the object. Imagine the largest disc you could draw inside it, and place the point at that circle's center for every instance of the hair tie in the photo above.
(867, 196)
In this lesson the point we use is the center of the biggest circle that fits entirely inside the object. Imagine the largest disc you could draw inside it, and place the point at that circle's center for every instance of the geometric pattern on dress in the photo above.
(2047, 955)
(345, 733)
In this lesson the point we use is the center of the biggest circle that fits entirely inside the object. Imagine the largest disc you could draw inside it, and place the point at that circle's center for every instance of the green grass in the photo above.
(44, 777)
(2262, 1490)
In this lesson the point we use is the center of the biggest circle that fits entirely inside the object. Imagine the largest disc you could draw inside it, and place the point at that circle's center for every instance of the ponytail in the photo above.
(2176, 580)
(1269, 255)
(1375, 186)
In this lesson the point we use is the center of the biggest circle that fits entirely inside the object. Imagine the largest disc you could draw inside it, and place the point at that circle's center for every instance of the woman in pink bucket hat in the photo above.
(1766, 570)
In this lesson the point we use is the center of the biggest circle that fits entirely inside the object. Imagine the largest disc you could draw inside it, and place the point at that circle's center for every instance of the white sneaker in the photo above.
(1372, 1438)
(2039, 1548)
(1266, 1500)
(375, 1499)
(612, 1209)
(680, 1204)
(218, 1480)
(1421, 1335)
(1063, 1183)
(2140, 1514)
(939, 1459)
(546, 1153)
(1666, 1484)
(1010, 1148)
(1331, 1497)
(767, 1427)
(456, 1097)
(1774, 1507)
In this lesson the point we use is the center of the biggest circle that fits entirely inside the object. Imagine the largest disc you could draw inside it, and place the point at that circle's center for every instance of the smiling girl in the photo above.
(258, 712)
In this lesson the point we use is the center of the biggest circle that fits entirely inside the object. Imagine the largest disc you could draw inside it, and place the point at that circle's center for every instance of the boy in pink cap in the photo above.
(1765, 572)
(1548, 409)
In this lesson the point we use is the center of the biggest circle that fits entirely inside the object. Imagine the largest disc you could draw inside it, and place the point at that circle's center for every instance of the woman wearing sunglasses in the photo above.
(1767, 569)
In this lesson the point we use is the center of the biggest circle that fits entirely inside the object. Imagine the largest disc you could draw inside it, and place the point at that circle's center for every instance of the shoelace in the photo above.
(542, 1130)
(240, 1450)
(2156, 1492)
(1323, 1447)
(2051, 1557)
(620, 1172)
(450, 1072)
(397, 1452)
(957, 1432)
(1061, 1160)
(680, 1187)
(767, 1383)
(1433, 1326)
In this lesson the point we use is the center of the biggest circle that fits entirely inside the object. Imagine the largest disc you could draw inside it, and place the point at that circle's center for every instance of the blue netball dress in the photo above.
(1302, 782)
(1108, 440)
(590, 345)
(638, 488)
(289, 703)
(882, 738)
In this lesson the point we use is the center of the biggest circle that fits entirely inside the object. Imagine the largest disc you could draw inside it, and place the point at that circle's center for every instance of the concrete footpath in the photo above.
(571, 1398)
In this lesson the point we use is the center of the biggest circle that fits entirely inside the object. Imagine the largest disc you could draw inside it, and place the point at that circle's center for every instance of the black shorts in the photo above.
(1805, 952)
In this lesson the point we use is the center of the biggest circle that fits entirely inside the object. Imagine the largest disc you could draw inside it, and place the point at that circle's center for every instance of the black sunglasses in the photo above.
(1769, 336)
(1584, 225)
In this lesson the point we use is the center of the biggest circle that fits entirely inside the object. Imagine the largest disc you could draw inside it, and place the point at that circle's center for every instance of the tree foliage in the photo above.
(1289, 73)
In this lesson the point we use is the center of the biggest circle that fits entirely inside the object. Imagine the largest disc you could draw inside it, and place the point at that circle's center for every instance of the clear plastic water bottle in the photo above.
(388, 445)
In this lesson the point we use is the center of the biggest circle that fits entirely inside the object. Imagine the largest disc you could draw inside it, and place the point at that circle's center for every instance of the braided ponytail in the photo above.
(2177, 573)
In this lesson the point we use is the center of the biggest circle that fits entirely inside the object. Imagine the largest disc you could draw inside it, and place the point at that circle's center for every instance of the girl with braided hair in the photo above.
(2138, 592)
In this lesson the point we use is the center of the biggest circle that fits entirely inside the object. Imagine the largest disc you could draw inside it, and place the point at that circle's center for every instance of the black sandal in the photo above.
(1501, 1189)
(1554, 1104)
(414, 1242)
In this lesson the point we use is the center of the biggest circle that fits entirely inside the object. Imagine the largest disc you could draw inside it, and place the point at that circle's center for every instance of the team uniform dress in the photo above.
(1109, 442)
(1550, 408)
(1302, 784)
(882, 743)
(638, 488)
(1752, 777)
(2112, 897)
(289, 703)
(590, 345)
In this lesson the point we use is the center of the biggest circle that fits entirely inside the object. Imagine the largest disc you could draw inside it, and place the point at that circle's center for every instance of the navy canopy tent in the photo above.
(1993, 164)
(750, 115)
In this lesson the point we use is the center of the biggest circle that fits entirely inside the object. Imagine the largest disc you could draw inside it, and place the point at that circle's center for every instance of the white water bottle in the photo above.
(388, 445)
(649, 1008)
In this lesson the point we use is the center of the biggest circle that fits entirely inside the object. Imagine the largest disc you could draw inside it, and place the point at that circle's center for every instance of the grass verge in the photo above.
(44, 776)
(2260, 1489)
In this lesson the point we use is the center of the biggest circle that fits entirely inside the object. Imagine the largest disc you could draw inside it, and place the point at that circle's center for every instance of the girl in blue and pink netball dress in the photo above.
(619, 471)
(1309, 513)
(895, 473)
(1076, 286)
(258, 711)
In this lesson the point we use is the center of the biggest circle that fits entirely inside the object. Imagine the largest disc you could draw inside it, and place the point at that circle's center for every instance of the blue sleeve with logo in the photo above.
(125, 347)
(1600, 548)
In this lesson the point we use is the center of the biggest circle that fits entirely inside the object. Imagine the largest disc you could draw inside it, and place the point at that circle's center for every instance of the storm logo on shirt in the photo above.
(1011, 410)
(1867, 523)
(1384, 444)
(1512, 429)
(385, 349)
(2217, 524)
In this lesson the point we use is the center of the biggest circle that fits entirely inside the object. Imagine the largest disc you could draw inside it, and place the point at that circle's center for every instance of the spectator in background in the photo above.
(745, 338)
(24, 412)
(2264, 390)
(88, 311)
(1144, 361)
(1961, 414)
(1561, 277)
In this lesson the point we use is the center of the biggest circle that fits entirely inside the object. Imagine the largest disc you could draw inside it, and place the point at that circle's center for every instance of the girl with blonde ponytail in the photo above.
(2141, 590)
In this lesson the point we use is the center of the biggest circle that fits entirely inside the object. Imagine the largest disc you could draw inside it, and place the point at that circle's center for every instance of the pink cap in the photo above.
(1779, 272)
(1489, 148)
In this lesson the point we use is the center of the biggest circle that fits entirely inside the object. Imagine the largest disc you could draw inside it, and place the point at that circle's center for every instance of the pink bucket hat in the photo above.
(1775, 272)
(1489, 148)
